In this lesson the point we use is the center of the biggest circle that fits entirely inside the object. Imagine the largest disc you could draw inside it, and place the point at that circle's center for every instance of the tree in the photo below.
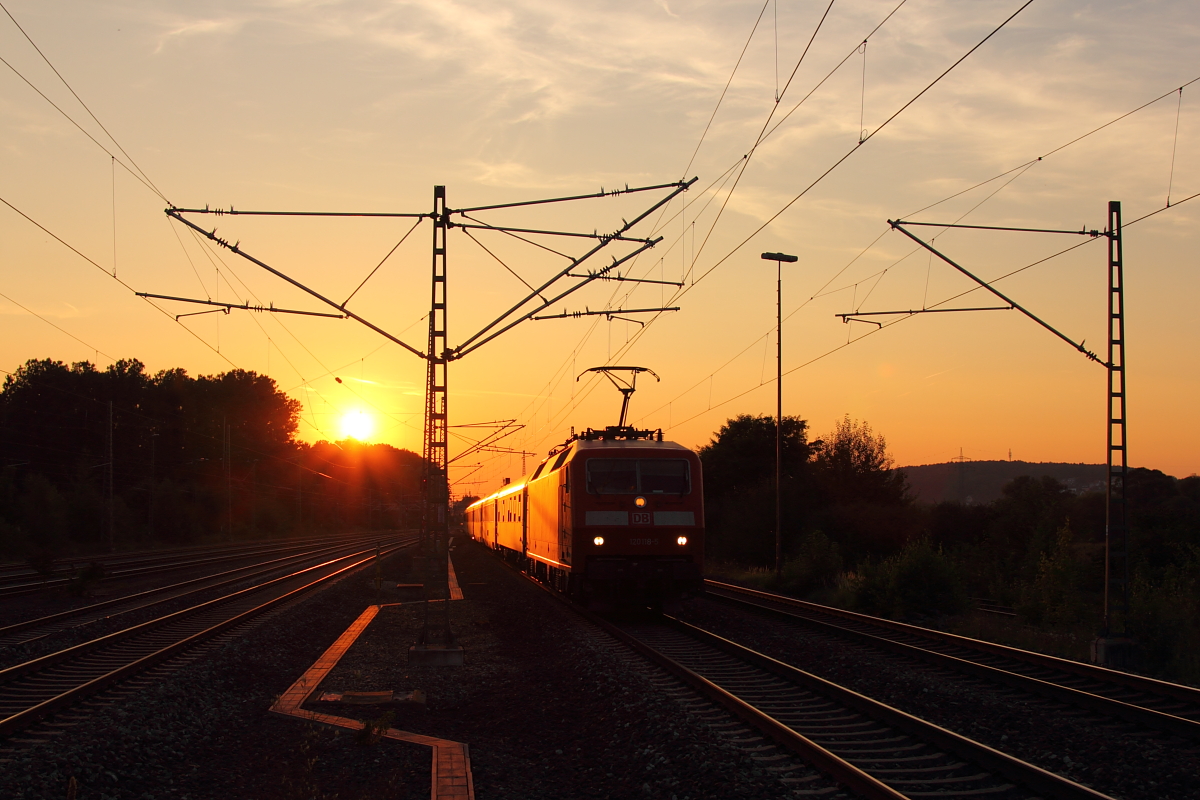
(865, 503)
(739, 485)
(853, 466)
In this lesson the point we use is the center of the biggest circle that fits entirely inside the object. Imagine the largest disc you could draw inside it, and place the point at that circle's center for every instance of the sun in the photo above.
(357, 425)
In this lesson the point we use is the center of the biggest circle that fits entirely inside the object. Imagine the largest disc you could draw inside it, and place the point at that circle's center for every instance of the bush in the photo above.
(919, 579)
(1165, 617)
(815, 566)
(1053, 595)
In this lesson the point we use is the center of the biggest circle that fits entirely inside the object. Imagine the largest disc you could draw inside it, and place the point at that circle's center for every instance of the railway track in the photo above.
(35, 689)
(1145, 702)
(20, 579)
(874, 749)
(39, 628)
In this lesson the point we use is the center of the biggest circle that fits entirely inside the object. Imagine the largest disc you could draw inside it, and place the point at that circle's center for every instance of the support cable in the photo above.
(380, 264)
(500, 261)
(1174, 143)
(862, 108)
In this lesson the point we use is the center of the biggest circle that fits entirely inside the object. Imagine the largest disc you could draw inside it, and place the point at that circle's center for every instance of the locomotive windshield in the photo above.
(638, 476)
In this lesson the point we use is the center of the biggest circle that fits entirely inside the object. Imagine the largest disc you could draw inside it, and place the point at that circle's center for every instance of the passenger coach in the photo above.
(613, 518)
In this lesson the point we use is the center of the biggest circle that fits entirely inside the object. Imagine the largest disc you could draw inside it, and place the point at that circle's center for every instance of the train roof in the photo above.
(584, 443)
(621, 444)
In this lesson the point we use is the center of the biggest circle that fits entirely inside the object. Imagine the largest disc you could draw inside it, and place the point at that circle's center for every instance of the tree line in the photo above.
(854, 535)
(91, 458)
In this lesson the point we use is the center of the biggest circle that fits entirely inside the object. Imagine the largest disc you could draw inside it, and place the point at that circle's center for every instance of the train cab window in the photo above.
(612, 476)
(665, 476)
(537, 471)
(562, 457)
(634, 476)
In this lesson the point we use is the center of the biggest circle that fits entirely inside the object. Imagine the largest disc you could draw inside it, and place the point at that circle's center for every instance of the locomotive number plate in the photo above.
(642, 518)
(649, 542)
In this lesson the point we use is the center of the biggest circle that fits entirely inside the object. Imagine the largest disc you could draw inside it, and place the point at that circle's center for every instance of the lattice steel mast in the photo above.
(1116, 531)
(436, 494)
(1116, 537)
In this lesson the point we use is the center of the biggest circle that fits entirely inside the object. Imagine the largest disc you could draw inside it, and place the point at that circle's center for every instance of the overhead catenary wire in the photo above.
(153, 305)
(695, 254)
(833, 167)
(59, 328)
(140, 175)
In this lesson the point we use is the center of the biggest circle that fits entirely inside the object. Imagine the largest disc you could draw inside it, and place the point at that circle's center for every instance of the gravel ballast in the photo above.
(549, 707)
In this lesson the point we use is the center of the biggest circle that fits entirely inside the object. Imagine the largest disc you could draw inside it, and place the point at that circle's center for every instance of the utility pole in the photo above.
(253, 498)
(228, 475)
(112, 534)
(1116, 537)
(779, 258)
(435, 445)
(153, 484)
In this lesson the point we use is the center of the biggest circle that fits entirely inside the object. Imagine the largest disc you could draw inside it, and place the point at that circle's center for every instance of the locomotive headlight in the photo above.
(682, 540)
(640, 502)
(599, 540)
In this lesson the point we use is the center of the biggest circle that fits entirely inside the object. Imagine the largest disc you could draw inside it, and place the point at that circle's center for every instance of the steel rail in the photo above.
(151, 565)
(1103, 674)
(813, 753)
(57, 657)
(34, 713)
(133, 555)
(832, 765)
(1139, 715)
(1021, 772)
(250, 571)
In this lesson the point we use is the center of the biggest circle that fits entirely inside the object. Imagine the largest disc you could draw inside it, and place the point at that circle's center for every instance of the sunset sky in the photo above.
(365, 106)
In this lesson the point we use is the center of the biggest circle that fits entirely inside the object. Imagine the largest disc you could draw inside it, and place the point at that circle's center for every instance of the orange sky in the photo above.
(364, 106)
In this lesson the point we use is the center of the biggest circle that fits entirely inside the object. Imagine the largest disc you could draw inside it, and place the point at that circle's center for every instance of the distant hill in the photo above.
(976, 482)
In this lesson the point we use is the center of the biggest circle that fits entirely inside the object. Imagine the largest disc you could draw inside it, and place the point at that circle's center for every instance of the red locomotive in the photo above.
(614, 518)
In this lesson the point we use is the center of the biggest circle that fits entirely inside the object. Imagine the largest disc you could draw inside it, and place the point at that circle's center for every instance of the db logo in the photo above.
(642, 518)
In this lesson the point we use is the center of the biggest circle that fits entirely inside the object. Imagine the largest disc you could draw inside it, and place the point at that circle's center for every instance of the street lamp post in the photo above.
(779, 258)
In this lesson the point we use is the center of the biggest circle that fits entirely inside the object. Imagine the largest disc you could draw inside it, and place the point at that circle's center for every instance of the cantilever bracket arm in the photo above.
(488, 332)
(611, 314)
(175, 213)
(899, 226)
(226, 307)
(463, 348)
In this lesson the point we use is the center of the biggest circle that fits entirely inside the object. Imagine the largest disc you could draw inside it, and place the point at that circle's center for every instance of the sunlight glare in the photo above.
(357, 425)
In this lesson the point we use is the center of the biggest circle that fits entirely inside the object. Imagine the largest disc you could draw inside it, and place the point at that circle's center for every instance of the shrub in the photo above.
(1053, 595)
(815, 566)
(1165, 617)
(919, 579)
